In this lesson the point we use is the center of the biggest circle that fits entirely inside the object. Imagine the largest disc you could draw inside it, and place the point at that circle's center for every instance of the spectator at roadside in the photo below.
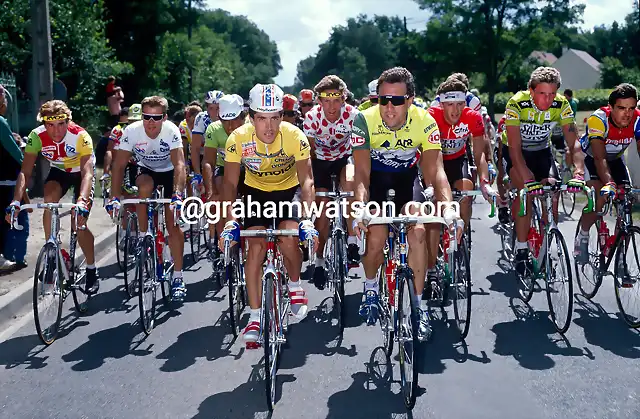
(115, 97)
(15, 247)
(568, 93)
(11, 158)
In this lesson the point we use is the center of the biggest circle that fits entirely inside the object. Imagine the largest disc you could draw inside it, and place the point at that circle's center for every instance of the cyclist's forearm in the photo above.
(117, 178)
(578, 157)
(87, 182)
(179, 177)
(196, 143)
(603, 170)
(481, 158)
(107, 162)
(20, 186)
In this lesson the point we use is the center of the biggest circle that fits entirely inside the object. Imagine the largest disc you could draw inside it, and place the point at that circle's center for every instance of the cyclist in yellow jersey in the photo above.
(275, 155)
(386, 139)
(69, 149)
(530, 117)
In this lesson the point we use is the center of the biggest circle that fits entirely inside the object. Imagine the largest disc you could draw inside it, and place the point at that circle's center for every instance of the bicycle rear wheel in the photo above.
(194, 239)
(77, 279)
(120, 253)
(528, 282)
(628, 294)
(236, 293)
(386, 310)
(461, 290)
(559, 283)
(270, 343)
(130, 249)
(340, 273)
(407, 329)
(146, 273)
(568, 203)
(47, 294)
(589, 275)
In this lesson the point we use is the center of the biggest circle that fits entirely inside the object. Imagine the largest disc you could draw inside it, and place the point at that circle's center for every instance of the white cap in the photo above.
(230, 107)
(213, 96)
(266, 98)
(373, 86)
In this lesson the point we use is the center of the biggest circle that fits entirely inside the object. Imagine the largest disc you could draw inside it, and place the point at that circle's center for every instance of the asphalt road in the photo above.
(512, 365)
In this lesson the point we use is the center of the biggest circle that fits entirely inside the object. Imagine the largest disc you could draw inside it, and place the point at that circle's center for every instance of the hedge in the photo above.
(588, 99)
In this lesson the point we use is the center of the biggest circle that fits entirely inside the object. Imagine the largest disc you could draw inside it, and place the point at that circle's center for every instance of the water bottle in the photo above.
(603, 237)
(391, 281)
(535, 241)
(160, 245)
(446, 243)
(67, 259)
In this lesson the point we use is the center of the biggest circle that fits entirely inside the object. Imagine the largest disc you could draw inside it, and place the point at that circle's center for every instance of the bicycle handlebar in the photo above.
(590, 192)
(335, 195)
(397, 220)
(456, 194)
(44, 205)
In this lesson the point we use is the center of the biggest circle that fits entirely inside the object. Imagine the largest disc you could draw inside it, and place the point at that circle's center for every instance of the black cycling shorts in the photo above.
(558, 142)
(401, 182)
(617, 168)
(323, 169)
(457, 169)
(540, 162)
(253, 220)
(130, 174)
(164, 179)
(67, 180)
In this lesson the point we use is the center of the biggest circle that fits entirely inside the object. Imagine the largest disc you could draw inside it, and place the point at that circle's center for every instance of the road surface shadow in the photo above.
(374, 393)
(116, 342)
(316, 334)
(531, 338)
(602, 329)
(203, 291)
(27, 350)
(444, 344)
(504, 280)
(246, 401)
(209, 342)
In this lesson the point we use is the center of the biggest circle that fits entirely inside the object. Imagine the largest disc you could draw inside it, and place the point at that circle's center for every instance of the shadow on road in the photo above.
(609, 332)
(373, 393)
(248, 400)
(531, 338)
(504, 281)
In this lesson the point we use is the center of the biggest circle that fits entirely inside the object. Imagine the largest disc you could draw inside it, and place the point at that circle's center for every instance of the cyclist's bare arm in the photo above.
(197, 141)
(210, 155)
(571, 137)
(305, 178)
(86, 172)
(600, 158)
(480, 156)
(179, 173)
(362, 166)
(28, 162)
(117, 174)
(434, 174)
(515, 152)
(108, 157)
(230, 185)
(312, 143)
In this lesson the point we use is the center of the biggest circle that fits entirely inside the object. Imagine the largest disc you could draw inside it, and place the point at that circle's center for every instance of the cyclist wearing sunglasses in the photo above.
(373, 96)
(387, 140)
(530, 118)
(157, 146)
(69, 149)
(610, 130)
(458, 125)
(306, 101)
(276, 158)
(328, 127)
(202, 122)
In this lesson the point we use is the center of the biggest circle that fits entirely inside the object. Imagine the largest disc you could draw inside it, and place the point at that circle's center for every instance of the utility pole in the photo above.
(406, 32)
(190, 66)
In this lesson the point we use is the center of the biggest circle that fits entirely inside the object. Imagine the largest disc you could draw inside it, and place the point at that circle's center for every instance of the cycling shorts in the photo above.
(261, 197)
(160, 178)
(323, 169)
(540, 162)
(401, 182)
(457, 169)
(558, 142)
(617, 169)
(67, 180)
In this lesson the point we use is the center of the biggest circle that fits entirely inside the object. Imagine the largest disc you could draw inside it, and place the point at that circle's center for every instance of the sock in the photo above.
(92, 266)
(417, 300)
(294, 286)
(583, 233)
(521, 245)
(371, 284)
(424, 305)
(319, 262)
(177, 274)
(352, 240)
(254, 315)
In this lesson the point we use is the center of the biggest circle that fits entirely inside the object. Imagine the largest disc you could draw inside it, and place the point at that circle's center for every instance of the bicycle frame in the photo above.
(623, 201)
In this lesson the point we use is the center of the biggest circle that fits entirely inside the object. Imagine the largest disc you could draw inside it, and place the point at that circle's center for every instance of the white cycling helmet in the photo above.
(213, 96)
(373, 88)
(266, 98)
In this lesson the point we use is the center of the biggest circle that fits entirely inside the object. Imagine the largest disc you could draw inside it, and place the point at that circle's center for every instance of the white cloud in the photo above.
(299, 26)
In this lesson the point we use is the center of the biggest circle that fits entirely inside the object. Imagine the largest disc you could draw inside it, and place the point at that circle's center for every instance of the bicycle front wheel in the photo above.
(130, 248)
(588, 273)
(407, 330)
(146, 273)
(559, 283)
(627, 275)
(386, 310)
(461, 290)
(340, 274)
(47, 294)
(236, 293)
(120, 254)
(568, 203)
(270, 343)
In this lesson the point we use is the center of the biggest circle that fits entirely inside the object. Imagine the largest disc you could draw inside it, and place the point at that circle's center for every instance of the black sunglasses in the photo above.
(155, 117)
(289, 113)
(395, 100)
(306, 104)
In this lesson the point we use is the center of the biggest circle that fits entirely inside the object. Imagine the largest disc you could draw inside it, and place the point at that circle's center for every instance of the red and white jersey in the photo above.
(331, 140)
(453, 138)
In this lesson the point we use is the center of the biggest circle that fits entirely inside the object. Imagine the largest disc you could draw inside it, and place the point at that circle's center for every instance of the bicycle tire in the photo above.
(270, 344)
(145, 273)
(407, 346)
(130, 246)
(236, 294)
(78, 286)
(385, 317)
(622, 248)
(461, 287)
(526, 290)
(47, 252)
(120, 254)
(568, 208)
(167, 274)
(194, 241)
(561, 322)
(584, 285)
(340, 272)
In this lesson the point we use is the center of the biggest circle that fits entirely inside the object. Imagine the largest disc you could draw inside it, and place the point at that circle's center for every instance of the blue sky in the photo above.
(300, 26)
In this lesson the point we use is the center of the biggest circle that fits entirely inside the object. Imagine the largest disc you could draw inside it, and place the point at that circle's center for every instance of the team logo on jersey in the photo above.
(303, 145)
(357, 141)
(164, 147)
(434, 138)
(248, 149)
(567, 113)
(252, 163)
(595, 131)
(231, 148)
(69, 149)
(511, 115)
(461, 130)
(430, 127)
(47, 154)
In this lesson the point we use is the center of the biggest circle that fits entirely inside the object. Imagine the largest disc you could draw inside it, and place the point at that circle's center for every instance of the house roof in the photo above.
(587, 58)
(543, 56)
